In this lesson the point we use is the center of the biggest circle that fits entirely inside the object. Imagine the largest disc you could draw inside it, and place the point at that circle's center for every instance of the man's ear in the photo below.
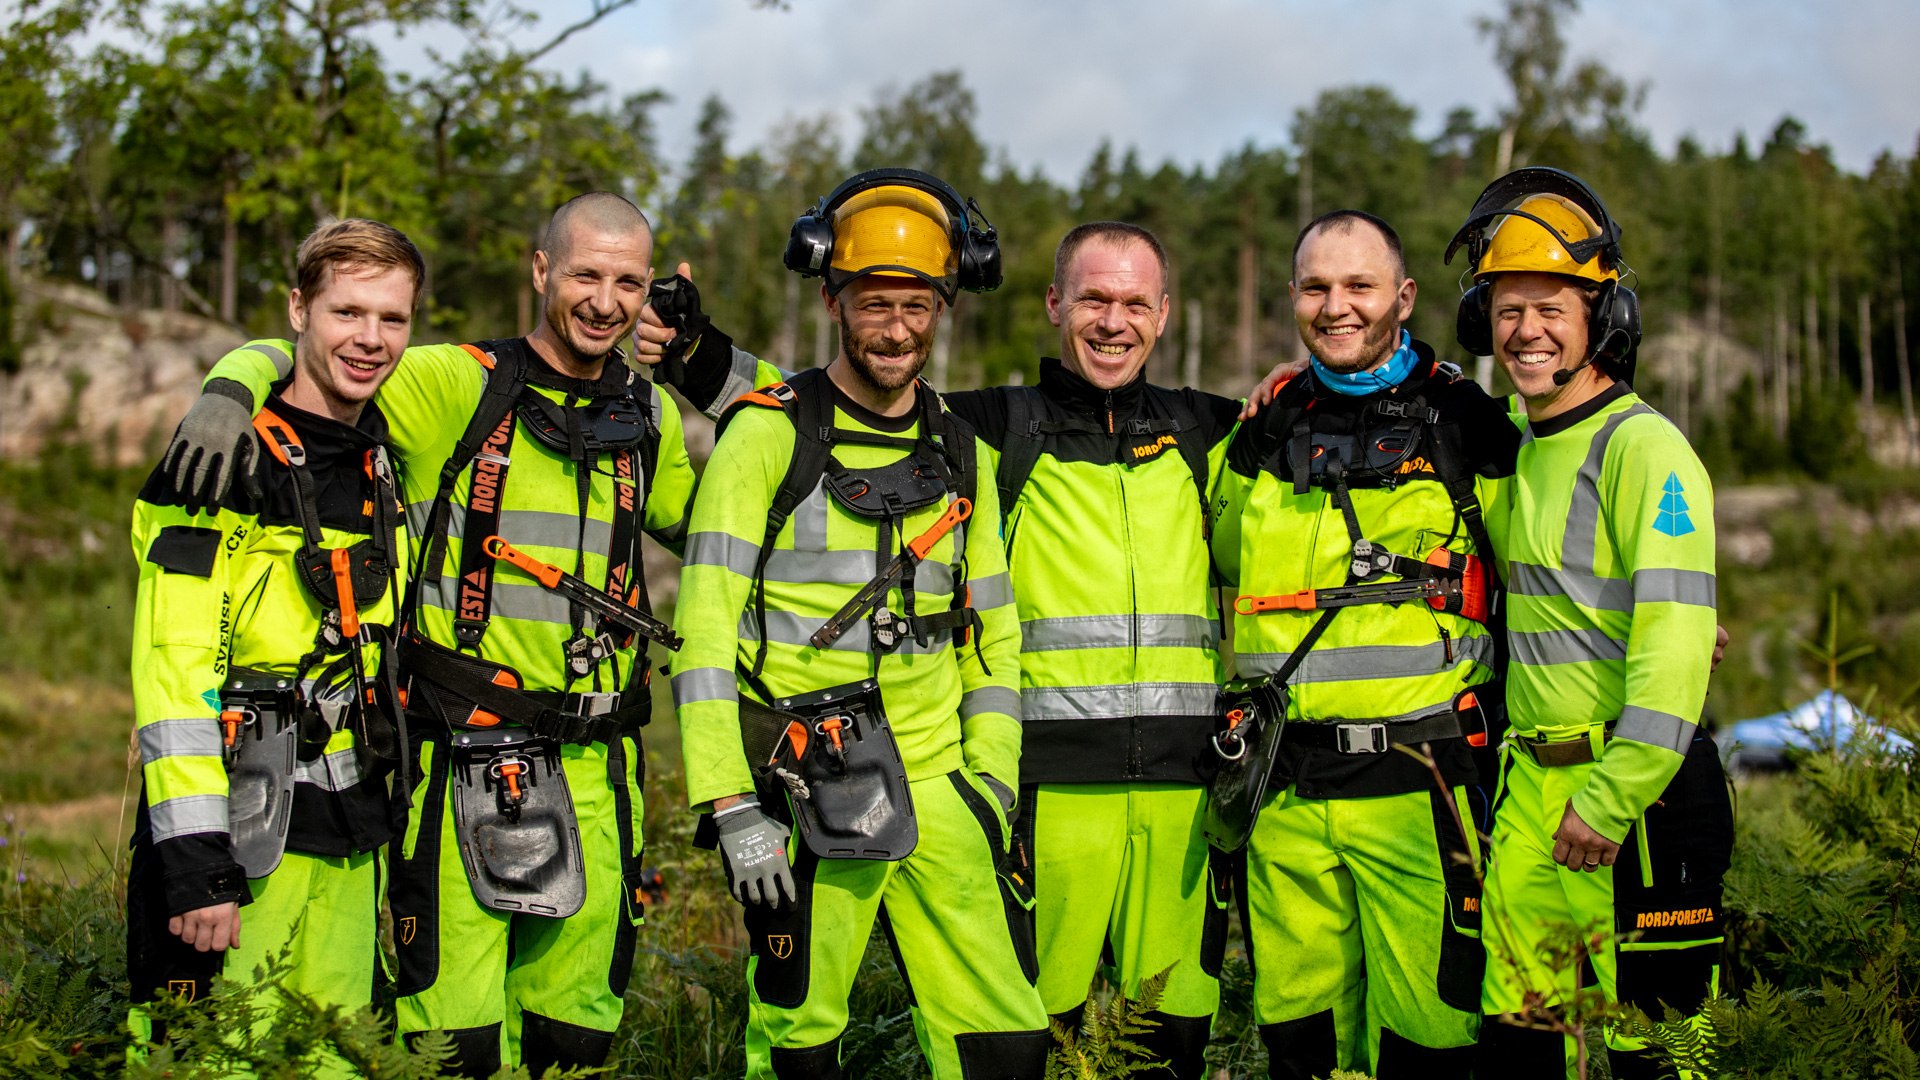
(1166, 312)
(540, 270)
(1053, 304)
(297, 312)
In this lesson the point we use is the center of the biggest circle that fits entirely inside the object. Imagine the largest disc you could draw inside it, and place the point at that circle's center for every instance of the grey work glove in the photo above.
(1005, 794)
(214, 442)
(754, 847)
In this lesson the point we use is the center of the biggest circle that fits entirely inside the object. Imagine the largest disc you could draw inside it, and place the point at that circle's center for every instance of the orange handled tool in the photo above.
(1384, 592)
(610, 608)
(961, 510)
(547, 573)
(874, 592)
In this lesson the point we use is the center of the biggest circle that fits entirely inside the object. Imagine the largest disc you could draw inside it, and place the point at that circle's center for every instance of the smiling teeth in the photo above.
(1341, 331)
(1533, 357)
(361, 365)
(1109, 350)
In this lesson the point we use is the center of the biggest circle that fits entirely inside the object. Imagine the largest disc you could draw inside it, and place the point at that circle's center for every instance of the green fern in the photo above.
(1104, 1047)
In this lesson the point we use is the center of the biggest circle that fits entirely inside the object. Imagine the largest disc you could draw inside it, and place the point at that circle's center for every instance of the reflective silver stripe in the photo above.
(741, 368)
(722, 549)
(1112, 702)
(1586, 589)
(992, 591)
(527, 602)
(188, 814)
(193, 737)
(788, 628)
(337, 771)
(703, 684)
(673, 533)
(810, 521)
(1545, 647)
(989, 699)
(1117, 632)
(1696, 587)
(543, 528)
(1583, 512)
(1354, 662)
(1654, 728)
(654, 409)
(1422, 713)
(282, 362)
(419, 516)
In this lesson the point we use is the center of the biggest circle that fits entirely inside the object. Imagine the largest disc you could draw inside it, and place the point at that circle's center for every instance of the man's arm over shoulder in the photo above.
(718, 372)
(1488, 436)
(670, 489)
(725, 531)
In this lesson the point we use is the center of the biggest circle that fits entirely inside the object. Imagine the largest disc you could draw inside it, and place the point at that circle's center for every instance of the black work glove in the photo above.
(677, 303)
(754, 847)
(214, 442)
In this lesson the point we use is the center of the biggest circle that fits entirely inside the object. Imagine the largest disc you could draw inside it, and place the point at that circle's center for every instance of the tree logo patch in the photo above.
(1672, 518)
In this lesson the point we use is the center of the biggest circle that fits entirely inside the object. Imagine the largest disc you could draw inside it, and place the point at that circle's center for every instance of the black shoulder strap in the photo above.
(1026, 405)
(810, 408)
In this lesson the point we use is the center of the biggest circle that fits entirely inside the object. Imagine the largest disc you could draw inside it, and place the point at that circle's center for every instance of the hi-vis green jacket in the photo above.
(1105, 545)
(431, 395)
(1609, 552)
(1375, 662)
(948, 707)
(218, 591)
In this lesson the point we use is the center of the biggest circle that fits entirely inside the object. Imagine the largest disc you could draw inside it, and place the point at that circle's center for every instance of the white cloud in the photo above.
(1194, 79)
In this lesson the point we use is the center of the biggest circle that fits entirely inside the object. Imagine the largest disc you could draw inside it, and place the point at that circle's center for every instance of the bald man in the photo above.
(514, 883)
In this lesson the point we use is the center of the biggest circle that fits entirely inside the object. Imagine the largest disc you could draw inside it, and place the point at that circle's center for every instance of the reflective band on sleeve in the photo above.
(704, 684)
(188, 814)
(1117, 632)
(1545, 647)
(673, 533)
(992, 591)
(1585, 589)
(1325, 664)
(741, 370)
(1655, 728)
(1662, 585)
(1113, 702)
(282, 363)
(989, 699)
(337, 771)
(722, 549)
(190, 737)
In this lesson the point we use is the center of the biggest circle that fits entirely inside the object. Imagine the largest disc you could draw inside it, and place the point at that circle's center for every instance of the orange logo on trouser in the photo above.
(181, 988)
(781, 945)
(1470, 903)
(407, 926)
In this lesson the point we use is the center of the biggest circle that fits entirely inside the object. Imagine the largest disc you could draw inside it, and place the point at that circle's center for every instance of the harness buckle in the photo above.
(468, 632)
(596, 704)
(1360, 738)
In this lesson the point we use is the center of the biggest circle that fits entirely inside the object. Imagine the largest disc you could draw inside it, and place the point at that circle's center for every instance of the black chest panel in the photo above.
(888, 491)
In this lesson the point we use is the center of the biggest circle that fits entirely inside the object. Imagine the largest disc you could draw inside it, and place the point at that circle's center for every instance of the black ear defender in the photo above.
(976, 243)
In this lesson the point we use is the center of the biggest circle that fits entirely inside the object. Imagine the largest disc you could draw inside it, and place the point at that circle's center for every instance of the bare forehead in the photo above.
(1346, 249)
(1112, 265)
(1534, 288)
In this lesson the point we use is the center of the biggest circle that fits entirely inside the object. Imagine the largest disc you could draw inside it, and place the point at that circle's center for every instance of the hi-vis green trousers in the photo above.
(1655, 914)
(1123, 880)
(956, 912)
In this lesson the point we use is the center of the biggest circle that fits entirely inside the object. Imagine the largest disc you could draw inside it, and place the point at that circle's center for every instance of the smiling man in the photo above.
(1367, 474)
(1103, 482)
(1614, 823)
(526, 703)
(264, 749)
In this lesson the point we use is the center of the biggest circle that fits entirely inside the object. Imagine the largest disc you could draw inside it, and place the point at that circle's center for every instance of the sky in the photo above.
(1190, 80)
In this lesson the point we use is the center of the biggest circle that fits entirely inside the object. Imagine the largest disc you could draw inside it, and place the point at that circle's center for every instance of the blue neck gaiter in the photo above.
(1360, 383)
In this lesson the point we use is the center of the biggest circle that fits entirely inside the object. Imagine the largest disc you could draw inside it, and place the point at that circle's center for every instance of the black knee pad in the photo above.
(1403, 1059)
(545, 1041)
(476, 1050)
(1637, 1065)
(1302, 1049)
(1003, 1055)
(1180, 1042)
(807, 1062)
(1507, 1052)
(1072, 1018)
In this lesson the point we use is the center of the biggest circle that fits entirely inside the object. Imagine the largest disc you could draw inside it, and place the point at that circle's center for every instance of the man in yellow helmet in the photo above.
(1612, 823)
(848, 692)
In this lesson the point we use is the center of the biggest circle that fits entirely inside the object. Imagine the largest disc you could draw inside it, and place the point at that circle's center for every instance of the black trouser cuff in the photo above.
(1180, 1042)
(820, 1062)
(1303, 1049)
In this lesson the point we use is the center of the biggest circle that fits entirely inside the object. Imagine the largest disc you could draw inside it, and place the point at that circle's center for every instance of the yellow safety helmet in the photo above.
(901, 223)
(896, 231)
(1537, 237)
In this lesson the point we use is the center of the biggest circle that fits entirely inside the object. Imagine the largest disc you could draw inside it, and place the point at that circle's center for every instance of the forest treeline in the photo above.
(173, 155)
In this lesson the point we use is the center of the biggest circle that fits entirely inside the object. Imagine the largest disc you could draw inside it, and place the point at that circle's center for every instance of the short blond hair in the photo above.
(355, 244)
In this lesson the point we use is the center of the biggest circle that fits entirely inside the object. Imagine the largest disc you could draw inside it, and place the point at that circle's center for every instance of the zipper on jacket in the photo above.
(1109, 412)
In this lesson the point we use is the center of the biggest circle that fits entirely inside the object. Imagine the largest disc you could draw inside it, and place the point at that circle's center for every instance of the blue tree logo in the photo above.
(1673, 519)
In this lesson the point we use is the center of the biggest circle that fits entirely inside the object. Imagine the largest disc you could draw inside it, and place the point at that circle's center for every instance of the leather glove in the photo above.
(214, 442)
(754, 847)
(1005, 794)
(677, 303)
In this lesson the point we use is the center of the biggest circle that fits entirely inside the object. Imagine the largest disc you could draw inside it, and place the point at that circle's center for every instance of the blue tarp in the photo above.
(1826, 719)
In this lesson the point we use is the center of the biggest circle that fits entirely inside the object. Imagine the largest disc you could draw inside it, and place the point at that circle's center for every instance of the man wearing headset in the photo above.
(847, 691)
(1613, 822)
(1104, 481)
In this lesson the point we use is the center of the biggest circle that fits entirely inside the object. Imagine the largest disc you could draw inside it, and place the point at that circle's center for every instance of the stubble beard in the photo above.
(858, 351)
(1379, 348)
